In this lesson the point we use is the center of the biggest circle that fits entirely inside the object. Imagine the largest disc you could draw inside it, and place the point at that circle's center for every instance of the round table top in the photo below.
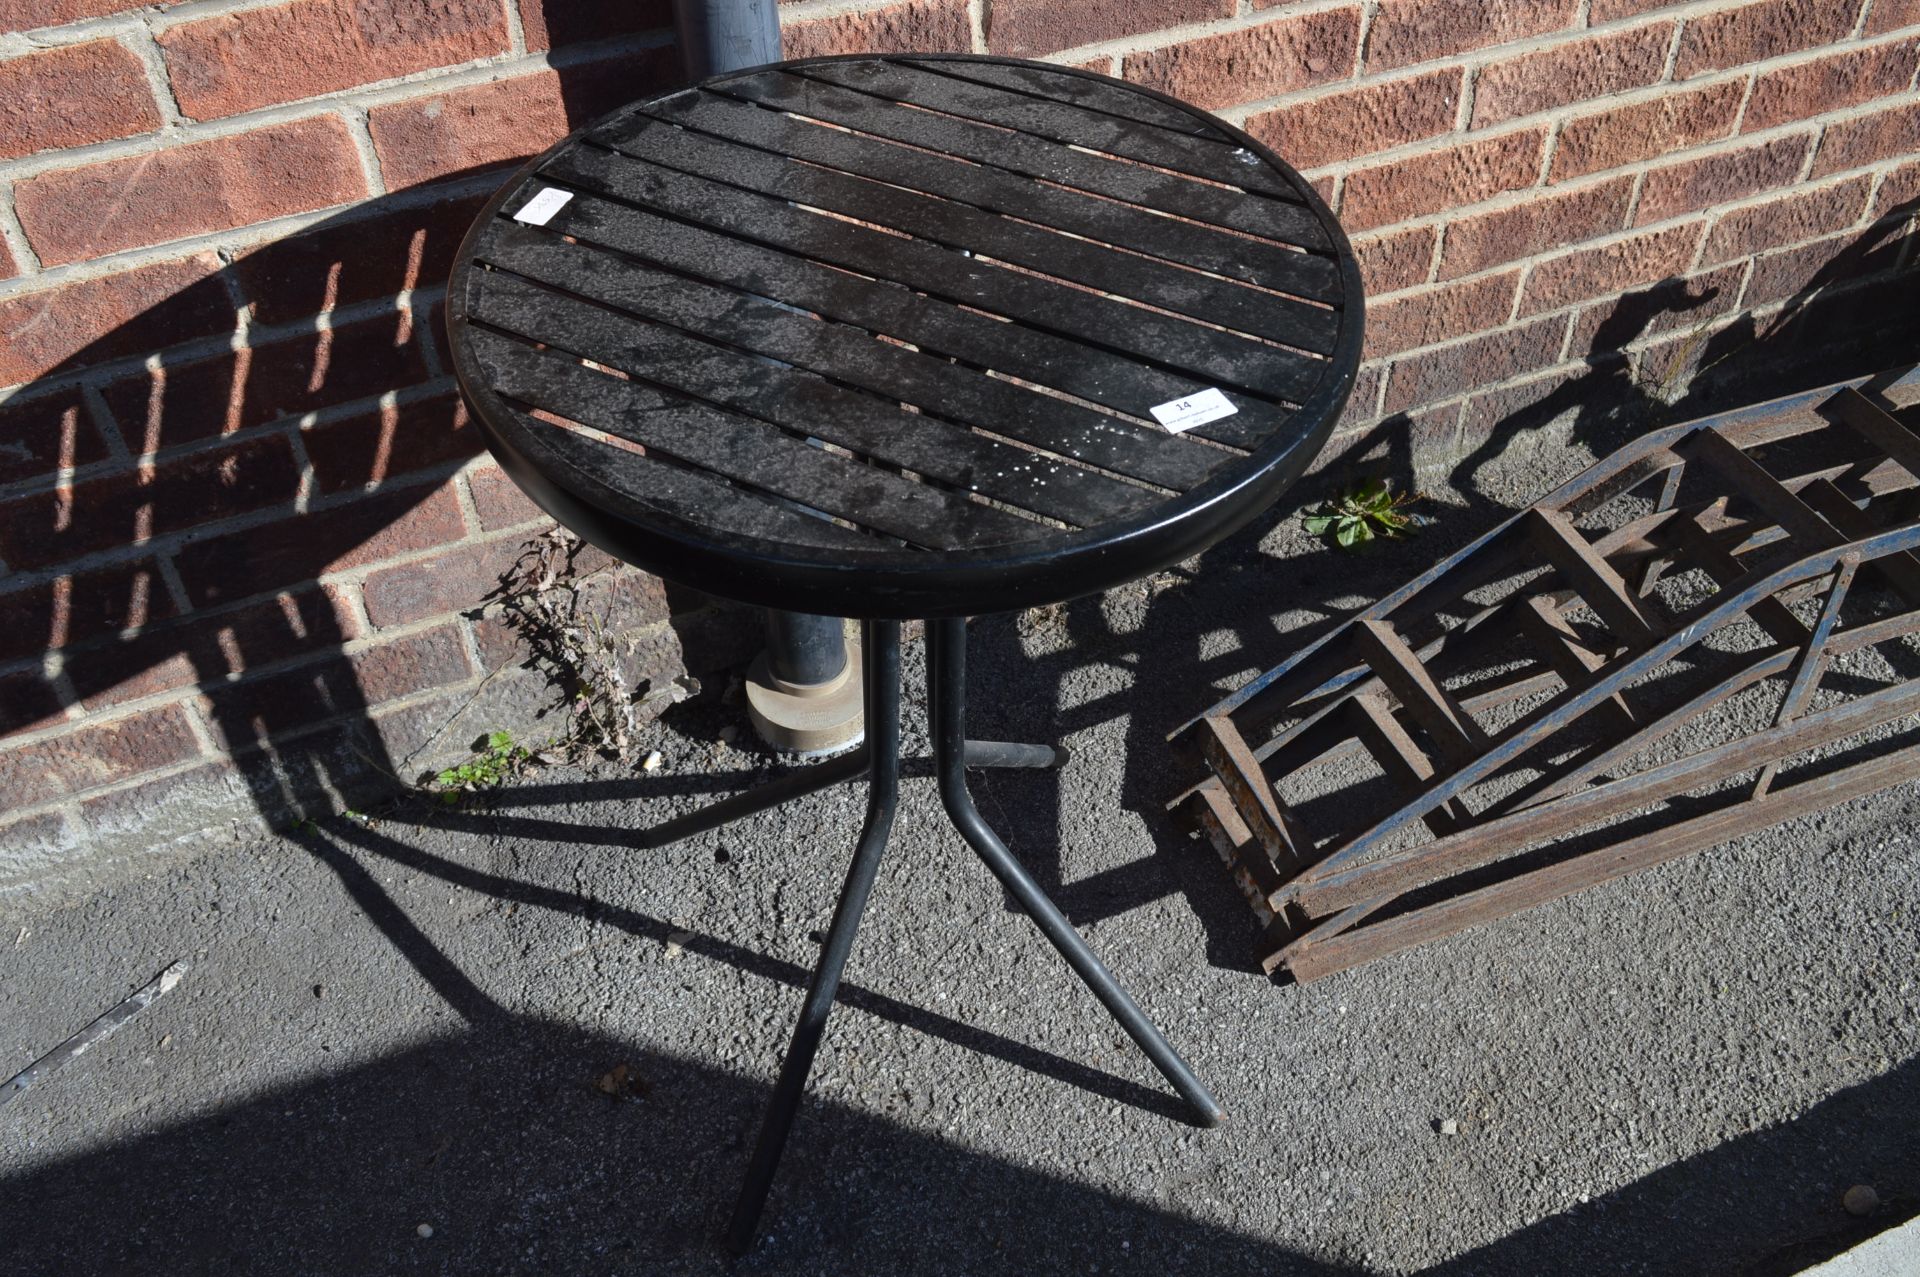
(906, 336)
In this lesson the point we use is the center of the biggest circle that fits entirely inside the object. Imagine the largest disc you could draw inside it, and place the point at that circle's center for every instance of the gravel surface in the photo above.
(392, 1050)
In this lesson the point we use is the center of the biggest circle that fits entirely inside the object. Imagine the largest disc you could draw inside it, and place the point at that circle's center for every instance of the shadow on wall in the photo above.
(217, 484)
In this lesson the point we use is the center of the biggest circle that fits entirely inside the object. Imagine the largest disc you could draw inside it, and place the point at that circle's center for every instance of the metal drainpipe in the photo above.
(802, 691)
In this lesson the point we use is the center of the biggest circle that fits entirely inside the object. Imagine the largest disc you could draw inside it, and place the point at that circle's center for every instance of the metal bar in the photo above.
(1310, 962)
(1808, 664)
(1000, 753)
(103, 1027)
(947, 675)
(717, 36)
(1498, 838)
(881, 655)
(805, 650)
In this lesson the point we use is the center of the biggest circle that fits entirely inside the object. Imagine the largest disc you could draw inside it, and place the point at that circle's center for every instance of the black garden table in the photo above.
(906, 337)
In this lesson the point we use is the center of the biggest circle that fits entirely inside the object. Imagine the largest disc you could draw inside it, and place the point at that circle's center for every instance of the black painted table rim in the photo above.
(824, 579)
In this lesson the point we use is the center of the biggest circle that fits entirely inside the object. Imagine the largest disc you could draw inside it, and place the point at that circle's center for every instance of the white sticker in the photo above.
(1194, 410)
(539, 210)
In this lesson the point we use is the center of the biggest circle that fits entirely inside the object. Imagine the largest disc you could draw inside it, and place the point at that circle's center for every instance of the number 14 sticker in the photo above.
(1195, 410)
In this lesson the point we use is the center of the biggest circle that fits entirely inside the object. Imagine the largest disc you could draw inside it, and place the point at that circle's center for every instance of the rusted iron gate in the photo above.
(1666, 652)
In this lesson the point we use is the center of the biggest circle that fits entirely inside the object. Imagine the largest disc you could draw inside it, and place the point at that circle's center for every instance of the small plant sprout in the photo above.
(1363, 512)
(495, 759)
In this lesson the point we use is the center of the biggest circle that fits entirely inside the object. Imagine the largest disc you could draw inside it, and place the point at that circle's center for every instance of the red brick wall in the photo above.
(245, 530)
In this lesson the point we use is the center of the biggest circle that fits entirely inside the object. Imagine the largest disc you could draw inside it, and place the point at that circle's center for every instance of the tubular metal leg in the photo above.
(947, 677)
(881, 647)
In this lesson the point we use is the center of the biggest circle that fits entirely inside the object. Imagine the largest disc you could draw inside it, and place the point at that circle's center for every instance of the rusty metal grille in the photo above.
(1711, 630)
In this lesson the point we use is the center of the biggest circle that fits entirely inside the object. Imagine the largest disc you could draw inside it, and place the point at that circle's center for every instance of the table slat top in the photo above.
(887, 335)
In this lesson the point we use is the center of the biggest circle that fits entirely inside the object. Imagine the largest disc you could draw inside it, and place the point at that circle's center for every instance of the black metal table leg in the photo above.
(947, 679)
(881, 646)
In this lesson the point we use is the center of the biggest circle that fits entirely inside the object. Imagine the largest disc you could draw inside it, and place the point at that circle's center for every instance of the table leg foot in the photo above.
(882, 643)
(999, 753)
(946, 674)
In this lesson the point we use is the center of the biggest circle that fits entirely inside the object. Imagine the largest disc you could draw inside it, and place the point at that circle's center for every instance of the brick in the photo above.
(260, 710)
(8, 267)
(1376, 117)
(320, 46)
(46, 432)
(1408, 31)
(1363, 405)
(1755, 32)
(111, 317)
(915, 26)
(499, 501)
(306, 546)
(1434, 375)
(1450, 177)
(203, 648)
(1262, 61)
(1882, 135)
(1829, 84)
(84, 605)
(341, 262)
(458, 581)
(1720, 178)
(27, 701)
(1899, 193)
(76, 214)
(1628, 134)
(26, 15)
(1892, 15)
(1539, 225)
(1573, 71)
(235, 390)
(1825, 264)
(125, 509)
(550, 25)
(1610, 268)
(1441, 313)
(1614, 10)
(1776, 223)
(1029, 28)
(366, 451)
(1389, 263)
(73, 95)
(92, 755)
(485, 125)
(1669, 306)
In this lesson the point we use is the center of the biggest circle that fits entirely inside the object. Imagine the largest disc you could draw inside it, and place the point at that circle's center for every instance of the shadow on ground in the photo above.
(498, 1140)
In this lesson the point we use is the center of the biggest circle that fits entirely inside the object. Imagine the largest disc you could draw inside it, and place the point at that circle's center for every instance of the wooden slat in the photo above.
(996, 190)
(694, 496)
(934, 326)
(1060, 122)
(957, 225)
(805, 404)
(1599, 585)
(1064, 86)
(910, 376)
(1034, 157)
(1452, 730)
(744, 451)
(1038, 303)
